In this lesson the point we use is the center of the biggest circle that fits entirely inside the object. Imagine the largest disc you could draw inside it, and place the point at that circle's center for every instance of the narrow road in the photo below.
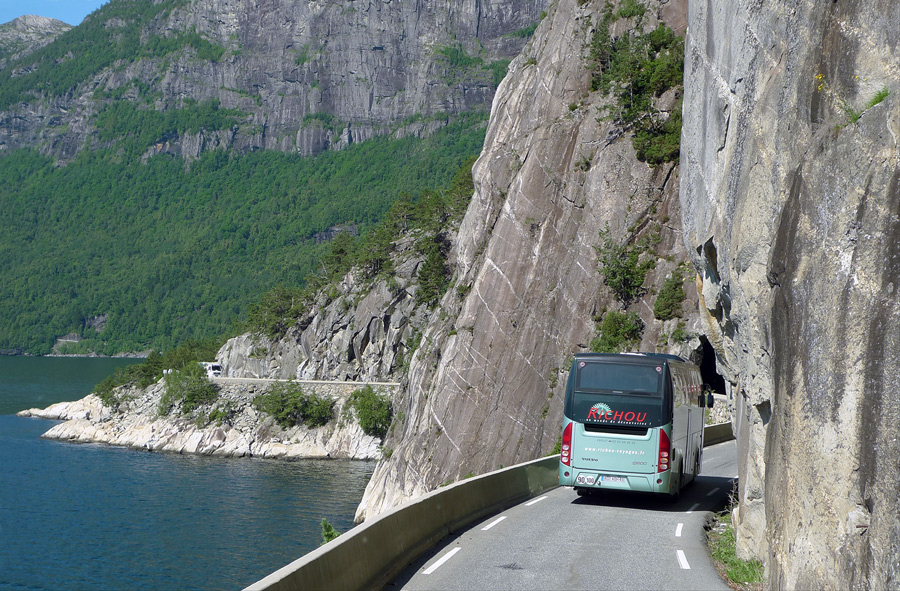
(266, 381)
(611, 540)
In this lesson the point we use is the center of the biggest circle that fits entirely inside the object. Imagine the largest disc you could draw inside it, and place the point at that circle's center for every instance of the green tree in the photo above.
(290, 406)
(671, 295)
(187, 389)
(635, 68)
(373, 411)
(621, 267)
(328, 532)
(619, 331)
(433, 274)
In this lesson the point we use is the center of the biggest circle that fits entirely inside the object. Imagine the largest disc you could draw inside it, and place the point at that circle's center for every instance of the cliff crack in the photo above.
(444, 430)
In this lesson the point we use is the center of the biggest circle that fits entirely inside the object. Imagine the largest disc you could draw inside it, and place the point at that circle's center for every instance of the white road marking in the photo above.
(683, 561)
(712, 492)
(530, 503)
(678, 530)
(493, 523)
(694, 508)
(444, 559)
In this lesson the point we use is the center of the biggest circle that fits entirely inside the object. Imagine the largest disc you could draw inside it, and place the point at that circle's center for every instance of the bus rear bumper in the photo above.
(600, 480)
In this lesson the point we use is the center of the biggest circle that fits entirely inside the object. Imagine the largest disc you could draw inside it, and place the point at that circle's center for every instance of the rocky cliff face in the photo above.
(308, 75)
(485, 386)
(790, 195)
(357, 331)
(484, 371)
(25, 34)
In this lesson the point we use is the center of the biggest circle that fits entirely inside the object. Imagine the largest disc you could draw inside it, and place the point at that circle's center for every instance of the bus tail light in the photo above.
(664, 449)
(565, 453)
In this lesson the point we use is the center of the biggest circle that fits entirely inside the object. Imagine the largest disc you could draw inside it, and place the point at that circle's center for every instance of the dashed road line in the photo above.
(444, 559)
(694, 508)
(678, 530)
(493, 523)
(712, 492)
(530, 503)
(682, 560)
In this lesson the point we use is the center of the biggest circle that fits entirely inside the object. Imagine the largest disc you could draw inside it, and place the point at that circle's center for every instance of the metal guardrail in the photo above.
(372, 554)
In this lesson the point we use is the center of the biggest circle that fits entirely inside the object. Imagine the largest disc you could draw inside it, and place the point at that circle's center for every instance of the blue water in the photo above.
(76, 516)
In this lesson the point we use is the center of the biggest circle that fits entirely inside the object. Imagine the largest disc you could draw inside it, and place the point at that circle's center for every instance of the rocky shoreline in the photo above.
(243, 432)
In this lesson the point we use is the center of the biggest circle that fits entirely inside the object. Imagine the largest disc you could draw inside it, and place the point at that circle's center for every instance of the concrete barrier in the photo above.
(713, 434)
(370, 555)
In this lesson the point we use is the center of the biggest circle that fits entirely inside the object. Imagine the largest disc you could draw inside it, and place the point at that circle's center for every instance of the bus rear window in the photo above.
(619, 378)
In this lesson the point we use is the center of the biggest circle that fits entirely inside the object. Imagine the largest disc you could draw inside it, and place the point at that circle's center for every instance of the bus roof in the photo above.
(611, 356)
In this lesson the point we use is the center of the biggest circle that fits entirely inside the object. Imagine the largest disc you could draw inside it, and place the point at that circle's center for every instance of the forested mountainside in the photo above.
(158, 153)
(127, 256)
(297, 77)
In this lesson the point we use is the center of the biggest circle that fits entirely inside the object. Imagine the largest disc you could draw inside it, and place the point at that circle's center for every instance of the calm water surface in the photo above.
(76, 516)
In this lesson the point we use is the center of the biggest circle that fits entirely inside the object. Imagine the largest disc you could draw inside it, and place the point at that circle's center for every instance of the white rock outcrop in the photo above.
(243, 432)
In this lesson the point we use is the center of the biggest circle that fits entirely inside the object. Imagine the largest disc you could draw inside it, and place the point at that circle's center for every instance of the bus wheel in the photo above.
(674, 496)
(580, 491)
(696, 469)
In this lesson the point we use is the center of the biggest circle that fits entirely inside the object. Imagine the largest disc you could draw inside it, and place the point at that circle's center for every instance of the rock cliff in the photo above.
(790, 196)
(308, 76)
(25, 34)
(485, 387)
(484, 371)
(359, 331)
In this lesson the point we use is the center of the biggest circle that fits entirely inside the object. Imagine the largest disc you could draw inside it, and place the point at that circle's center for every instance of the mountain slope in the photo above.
(156, 214)
(305, 77)
(26, 34)
(485, 387)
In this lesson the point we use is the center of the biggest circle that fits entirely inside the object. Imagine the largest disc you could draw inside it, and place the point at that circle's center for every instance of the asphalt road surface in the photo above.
(611, 540)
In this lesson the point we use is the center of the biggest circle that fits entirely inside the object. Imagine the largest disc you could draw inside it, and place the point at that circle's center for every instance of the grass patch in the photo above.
(720, 538)
(879, 96)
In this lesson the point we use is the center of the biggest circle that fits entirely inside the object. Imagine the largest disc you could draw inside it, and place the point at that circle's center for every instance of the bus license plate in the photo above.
(588, 479)
(617, 479)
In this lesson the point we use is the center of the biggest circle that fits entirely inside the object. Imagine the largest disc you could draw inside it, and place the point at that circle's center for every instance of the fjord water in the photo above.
(85, 516)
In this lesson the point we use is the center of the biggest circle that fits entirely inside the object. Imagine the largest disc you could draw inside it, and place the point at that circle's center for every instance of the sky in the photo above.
(68, 11)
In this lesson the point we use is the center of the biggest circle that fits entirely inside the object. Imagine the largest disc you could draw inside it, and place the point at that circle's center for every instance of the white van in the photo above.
(213, 369)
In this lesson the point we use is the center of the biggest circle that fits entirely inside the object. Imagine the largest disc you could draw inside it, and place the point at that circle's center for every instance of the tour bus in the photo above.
(632, 421)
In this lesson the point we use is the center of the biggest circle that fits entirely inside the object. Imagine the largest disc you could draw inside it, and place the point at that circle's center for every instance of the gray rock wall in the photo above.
(367, 64)
(790, 193)
(27, 33)
(362, 331)
(485, 387)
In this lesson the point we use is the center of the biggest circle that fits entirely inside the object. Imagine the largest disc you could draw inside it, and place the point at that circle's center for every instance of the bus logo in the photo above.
(602, 412)
(599, 409)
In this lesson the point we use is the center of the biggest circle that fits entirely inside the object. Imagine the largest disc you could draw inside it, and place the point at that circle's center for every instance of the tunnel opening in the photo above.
(708, 367)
